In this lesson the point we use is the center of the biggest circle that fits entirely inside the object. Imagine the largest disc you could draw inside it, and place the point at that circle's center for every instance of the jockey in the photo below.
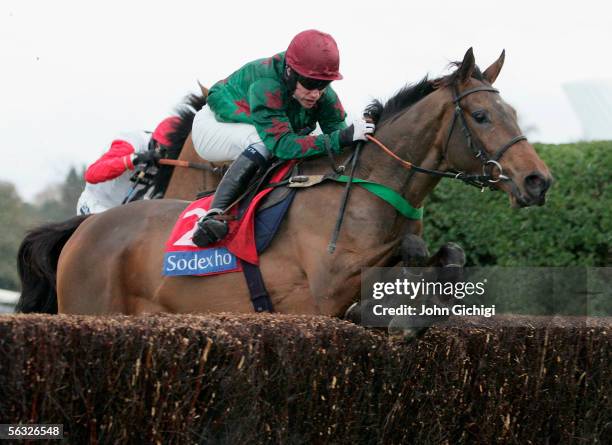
(268, 108)
(108, 179)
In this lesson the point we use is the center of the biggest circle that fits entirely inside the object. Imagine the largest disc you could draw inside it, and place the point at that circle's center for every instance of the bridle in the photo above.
(480, 181)
(479, 153)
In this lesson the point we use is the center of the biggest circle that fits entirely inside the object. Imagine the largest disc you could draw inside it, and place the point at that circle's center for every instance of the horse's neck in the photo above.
(186, 183)
(416, 136)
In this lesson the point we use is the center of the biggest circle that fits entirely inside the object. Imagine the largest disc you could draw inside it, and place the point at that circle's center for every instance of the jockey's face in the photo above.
(307, 98)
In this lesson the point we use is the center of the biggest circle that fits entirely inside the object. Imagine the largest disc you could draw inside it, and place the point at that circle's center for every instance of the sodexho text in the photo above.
(174, 262)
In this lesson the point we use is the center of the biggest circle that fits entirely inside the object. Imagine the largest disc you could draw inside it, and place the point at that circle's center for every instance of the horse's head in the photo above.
(484, 136)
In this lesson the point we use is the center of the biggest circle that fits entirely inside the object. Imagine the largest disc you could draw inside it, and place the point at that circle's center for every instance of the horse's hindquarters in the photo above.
(112, 263)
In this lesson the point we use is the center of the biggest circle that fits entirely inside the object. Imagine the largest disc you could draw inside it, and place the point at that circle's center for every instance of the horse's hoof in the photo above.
(414, 251)
(405, 334)
(353, 313)
(450, 255)
(410, 328)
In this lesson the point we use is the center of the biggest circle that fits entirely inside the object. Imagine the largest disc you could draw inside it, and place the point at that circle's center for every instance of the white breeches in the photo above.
(222, 141)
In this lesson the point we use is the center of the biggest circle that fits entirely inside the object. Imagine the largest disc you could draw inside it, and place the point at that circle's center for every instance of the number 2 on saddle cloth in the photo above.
(248, 235)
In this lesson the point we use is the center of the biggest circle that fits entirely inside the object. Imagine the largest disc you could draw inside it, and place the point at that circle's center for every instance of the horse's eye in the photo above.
(481, 116)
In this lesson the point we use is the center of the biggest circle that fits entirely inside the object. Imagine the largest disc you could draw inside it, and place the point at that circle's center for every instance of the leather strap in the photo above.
(458, 97)
(259, 294)
(509, 144)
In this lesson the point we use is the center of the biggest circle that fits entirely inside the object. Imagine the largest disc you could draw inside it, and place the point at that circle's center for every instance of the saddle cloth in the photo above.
(183, 257)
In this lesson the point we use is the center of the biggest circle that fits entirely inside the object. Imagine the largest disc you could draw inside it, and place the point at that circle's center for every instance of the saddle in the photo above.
(257, 183)
(240, 240)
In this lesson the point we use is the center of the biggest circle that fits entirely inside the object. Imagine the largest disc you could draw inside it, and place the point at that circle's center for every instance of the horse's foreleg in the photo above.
(446, 265)
(414, 251)
(449, 255)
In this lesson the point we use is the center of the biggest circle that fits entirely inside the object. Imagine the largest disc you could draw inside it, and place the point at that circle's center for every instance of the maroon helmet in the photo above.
(314, 54)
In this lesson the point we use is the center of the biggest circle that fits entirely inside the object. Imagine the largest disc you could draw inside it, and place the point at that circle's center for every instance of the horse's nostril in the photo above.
(536, 184)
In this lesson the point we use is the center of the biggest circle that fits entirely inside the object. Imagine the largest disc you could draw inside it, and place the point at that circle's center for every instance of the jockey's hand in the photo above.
(357, 131)
(148, 157)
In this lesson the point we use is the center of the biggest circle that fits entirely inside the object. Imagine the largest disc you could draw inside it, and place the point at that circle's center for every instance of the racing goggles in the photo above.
(313, 84)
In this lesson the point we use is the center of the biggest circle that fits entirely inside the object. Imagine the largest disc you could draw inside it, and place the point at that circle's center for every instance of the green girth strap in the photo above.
(386, 194)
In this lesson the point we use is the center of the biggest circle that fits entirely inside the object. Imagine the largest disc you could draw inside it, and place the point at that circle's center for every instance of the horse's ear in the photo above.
(203, 89)
(492, 72)
(467, 66)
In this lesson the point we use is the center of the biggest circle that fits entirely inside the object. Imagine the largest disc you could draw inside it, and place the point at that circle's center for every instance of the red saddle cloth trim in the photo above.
(240, 239)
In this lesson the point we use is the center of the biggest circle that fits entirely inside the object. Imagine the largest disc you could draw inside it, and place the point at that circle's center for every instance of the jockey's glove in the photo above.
(149, 157)
(357, 131)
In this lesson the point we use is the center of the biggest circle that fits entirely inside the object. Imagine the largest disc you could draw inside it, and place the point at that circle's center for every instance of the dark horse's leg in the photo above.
(446, 265)
(413, 253)
(449, 255)
(37, 265)
(448, 261)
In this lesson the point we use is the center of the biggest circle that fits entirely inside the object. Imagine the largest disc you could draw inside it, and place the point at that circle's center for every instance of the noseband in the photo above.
(480, 181)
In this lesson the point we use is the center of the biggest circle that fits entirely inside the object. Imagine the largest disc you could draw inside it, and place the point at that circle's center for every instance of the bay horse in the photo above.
(111, 262)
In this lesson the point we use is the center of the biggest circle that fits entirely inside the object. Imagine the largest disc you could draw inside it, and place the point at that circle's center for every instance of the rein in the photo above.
(480, 181)
(347, 190)
(475, 180)
(195, 165)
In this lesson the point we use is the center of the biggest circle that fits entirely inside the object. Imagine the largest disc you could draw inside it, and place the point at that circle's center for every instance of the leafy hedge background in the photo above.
(17, 216)
(574, 227)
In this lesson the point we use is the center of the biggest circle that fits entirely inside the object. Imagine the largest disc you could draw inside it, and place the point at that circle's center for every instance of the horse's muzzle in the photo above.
(536, 185)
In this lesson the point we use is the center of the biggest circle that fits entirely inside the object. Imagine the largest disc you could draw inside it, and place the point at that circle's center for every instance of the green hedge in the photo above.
(574, 227)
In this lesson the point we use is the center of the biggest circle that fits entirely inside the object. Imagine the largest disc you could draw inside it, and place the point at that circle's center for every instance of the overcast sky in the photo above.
(74, 73)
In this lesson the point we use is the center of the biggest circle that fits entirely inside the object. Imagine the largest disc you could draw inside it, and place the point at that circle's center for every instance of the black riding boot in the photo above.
(233, 183)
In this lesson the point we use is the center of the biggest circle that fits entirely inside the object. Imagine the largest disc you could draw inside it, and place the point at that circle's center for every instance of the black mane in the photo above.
(413, 93)
(186, 112)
